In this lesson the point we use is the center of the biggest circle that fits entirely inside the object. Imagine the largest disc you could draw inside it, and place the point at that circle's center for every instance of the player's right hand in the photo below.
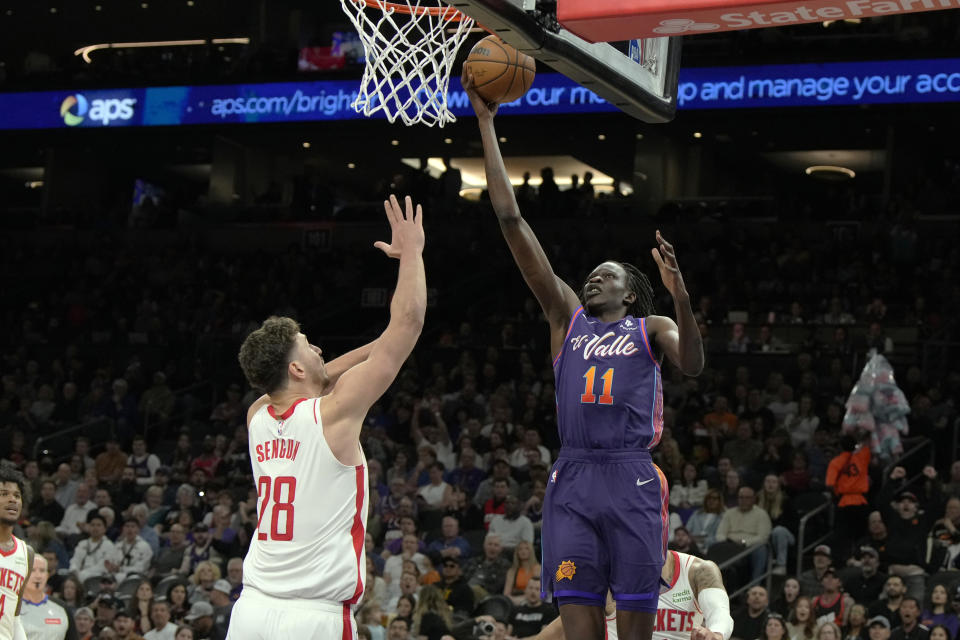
(406, 227)
(482, 108)
(702, 633)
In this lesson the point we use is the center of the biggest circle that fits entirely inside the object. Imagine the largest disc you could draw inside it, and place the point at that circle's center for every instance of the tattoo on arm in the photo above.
(705, 575)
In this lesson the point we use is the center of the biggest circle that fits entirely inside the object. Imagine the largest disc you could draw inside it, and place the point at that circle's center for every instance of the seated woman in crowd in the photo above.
(801, 625)
(524, 567)
(703, 524)
(688, 491)
(788, 597)
(432, 618)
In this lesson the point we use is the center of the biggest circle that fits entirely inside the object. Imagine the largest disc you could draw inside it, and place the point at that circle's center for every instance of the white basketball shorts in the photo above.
(257, 616)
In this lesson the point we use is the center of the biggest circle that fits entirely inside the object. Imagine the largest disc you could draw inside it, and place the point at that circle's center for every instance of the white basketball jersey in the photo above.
(13, 571)
(677, 610)
(311, 510)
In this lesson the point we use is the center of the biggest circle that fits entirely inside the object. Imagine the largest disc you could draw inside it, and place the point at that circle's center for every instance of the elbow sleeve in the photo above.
(715, 605)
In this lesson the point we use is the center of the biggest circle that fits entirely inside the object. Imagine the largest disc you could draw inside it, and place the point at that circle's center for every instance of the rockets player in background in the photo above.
(16, 557)
(305, 568)
(693, 604)
(605, 519)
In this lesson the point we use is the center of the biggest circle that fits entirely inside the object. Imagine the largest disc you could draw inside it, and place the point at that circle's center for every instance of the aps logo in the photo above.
(76, 108)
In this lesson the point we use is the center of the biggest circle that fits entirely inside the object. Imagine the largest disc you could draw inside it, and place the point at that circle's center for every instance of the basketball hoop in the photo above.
(409, 60)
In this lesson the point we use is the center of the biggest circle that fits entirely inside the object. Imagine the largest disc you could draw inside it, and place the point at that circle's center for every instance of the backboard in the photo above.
(638, 76)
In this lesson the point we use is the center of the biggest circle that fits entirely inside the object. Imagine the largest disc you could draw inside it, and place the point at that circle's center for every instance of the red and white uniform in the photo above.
(678, 612)
(306, 560)
(14, 568)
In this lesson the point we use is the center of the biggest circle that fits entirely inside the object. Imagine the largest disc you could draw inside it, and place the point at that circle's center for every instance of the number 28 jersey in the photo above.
(311, 510)
(609, 390)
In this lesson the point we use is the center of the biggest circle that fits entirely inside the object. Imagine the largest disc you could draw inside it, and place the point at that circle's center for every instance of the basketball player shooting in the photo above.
(306, 564)
(16, 556)
(605, 511)
(693, 605)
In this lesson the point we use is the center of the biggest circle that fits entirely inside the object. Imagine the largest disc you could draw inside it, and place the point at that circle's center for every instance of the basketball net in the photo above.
(410, 49)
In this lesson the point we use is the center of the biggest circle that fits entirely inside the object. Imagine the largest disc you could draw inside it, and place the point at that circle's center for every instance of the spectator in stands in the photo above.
(939, 613)
(703, 524)
(879, 628)
(144, 463)
(466, 512)
(745, 526)
(408, 526)
(179, 605)
(436, 494)
(757, 410)
(466, 476)
(111, 462)
(856, 627)
(456, 591)
(496, 505)
(748, 622)
(739, 342)
(201, 550)
(731, 488)
(802, 625)
(797, 479)
(231, 410)
(940, 632)
(908, 529)
(431, 618)
(106, 607)
(775, 628)
(787, 599)
(393, 569)
(783, 520)
(83, 618)
(943, 541)
(170, 557)
(131, 554)
(223, 604)
(91, 554)
(832, 605)
(867, 584)
(811, 579)
(688, 491)
(894, 590)
(66, 486)
(784, 405)
(500, 470)
(489, 570)
(531, 614)
(744, 450)
(75, 515)
(399, 629)
(803, 423)
(683, 542)
(910, 627)
(524, 566)
(452, 544)
(720, 419)
(208, 460)
(45, 506)
(157, 402)
(139, 606)
(162, 629)
(409, 586)
(200, 617)
(512, 526)
(829, 631)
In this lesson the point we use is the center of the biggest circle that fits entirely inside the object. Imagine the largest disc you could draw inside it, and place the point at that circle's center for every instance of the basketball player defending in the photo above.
(306, 564)
(605, 511)
(693, 604)
(16, 557)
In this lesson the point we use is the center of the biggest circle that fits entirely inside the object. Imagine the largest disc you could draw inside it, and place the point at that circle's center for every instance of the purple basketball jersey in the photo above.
(609, 393)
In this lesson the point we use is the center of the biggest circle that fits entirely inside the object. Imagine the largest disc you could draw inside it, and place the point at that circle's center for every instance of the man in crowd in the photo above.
(746, 525)
(90, 556)
(452, 544)
(456, 591)
(910, 627)
(512, 526)
(222, 604)
(489, 570)
(810, 580)
(748, 623)
(895, 590)
(866, 585)
(163, 629)
(131, 553)
(124, 626)
(532, 613)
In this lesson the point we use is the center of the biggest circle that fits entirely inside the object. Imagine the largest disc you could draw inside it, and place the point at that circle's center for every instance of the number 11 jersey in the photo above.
(311, 510)
(609, 390)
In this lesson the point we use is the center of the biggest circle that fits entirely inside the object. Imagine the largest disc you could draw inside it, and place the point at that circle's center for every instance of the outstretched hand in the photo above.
(406, 227)
(481, 107)
(666, 261)
(702, 633)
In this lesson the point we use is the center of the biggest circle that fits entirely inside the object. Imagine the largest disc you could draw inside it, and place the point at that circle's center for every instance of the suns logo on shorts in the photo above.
(566, 570)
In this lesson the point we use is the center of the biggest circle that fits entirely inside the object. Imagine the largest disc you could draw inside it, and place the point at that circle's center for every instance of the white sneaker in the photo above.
(779, 570)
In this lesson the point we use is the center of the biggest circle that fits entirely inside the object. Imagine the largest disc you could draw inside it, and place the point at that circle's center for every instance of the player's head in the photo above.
(278, 354)
(11, 495)
(618, 286)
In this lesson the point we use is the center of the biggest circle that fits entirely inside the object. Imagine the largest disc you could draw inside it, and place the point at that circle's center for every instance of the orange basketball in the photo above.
(500, 72)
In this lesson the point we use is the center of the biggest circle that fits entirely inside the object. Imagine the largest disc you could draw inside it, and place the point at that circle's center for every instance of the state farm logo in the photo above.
(681, 25)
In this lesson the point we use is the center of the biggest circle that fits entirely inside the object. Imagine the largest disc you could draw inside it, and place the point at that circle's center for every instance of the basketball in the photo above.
(500, 72)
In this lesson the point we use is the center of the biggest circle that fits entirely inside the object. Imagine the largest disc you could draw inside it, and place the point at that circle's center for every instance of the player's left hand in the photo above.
(702, 633)
(666, 261)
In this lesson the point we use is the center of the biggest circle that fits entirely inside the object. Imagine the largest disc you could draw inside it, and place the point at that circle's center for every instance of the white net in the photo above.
(409, 58)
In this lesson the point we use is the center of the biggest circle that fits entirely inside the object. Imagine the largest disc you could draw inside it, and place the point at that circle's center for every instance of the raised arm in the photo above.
(338, 366)
(360, 386)
(680, 341)
(556, 298)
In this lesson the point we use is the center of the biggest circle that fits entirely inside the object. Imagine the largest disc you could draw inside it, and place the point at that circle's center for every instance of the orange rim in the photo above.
(442, 12)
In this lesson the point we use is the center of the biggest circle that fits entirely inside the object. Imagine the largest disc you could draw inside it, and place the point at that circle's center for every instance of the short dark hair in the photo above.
(911, 598)
(11, 475)
(403, 620)
(265, 353)
(95, 515)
